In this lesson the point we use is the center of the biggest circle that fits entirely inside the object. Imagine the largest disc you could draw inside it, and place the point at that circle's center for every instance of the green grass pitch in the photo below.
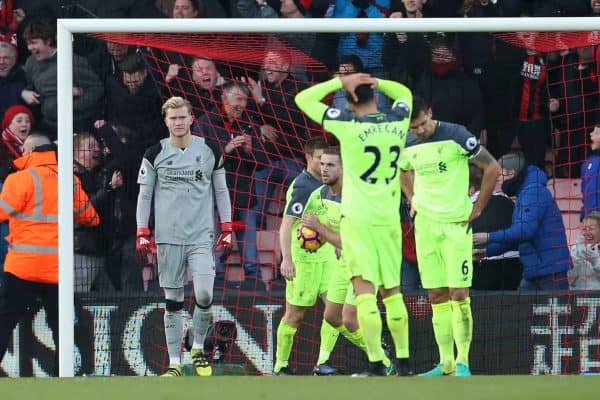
(305, 387)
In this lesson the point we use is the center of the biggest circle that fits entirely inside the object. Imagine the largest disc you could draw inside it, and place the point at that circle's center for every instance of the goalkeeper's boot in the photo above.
(173, 370)
(438, 370)
(285, 371)
(462, 370)
(376, 369)
(324, 370)
(201, 363)
(403, 367)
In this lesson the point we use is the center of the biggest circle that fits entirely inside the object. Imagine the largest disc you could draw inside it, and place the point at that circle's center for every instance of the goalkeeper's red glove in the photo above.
(225, 241)
(145, 247)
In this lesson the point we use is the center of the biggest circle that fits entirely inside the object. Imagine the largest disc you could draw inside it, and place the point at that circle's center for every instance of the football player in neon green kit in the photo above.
(340, 312)
(306, 274)
(371, 143)
(436, 158)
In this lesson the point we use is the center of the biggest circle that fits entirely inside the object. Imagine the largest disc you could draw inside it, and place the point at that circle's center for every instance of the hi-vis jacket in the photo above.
(29, 201)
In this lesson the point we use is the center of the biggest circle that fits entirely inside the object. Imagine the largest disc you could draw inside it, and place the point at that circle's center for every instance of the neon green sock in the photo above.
(397, 322)
(285, 341)
(462, 326)
(329, 336)
(369, 320)
(442, 330)
(356, 337)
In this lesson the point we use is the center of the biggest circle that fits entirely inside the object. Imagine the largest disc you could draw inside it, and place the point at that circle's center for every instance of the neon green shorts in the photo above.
(444, 253)
(340, 288)
(311, 280)
(372, 252)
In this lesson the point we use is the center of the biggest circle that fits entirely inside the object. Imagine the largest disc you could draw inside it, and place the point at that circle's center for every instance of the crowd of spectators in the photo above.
(548, 101)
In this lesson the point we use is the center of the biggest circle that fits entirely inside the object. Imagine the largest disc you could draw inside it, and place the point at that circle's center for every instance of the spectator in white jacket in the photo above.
(585, 254)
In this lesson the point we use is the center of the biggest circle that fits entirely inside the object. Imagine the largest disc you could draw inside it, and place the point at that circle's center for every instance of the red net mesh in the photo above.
(240, 57)
(551, 41)
(573, 92)
(200, 68)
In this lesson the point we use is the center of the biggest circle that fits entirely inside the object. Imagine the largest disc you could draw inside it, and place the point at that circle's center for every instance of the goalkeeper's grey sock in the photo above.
(173, 334)
(201, 321)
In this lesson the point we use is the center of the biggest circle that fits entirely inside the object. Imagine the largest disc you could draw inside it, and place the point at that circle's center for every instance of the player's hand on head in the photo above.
(288, 270)
(352, 81)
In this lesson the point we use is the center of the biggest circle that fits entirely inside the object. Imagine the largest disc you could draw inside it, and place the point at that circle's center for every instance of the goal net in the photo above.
(118, 327)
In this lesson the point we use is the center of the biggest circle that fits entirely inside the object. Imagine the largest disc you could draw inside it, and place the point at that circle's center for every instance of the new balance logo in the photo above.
(442, 166)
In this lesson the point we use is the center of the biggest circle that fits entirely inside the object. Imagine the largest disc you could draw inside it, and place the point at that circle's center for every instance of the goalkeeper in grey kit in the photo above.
(184, 175)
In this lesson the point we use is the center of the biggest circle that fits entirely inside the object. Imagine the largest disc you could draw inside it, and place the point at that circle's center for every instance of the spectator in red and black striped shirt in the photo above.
(533, 127)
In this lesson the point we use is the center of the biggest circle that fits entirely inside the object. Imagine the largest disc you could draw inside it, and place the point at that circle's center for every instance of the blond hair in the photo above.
(595, 215)
(175, 102)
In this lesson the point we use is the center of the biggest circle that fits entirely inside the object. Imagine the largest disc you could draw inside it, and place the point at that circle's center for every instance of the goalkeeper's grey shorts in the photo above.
(174, 260)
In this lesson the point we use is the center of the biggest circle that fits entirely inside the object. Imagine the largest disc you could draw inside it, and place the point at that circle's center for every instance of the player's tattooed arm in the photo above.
(482, 158)
(491, 170)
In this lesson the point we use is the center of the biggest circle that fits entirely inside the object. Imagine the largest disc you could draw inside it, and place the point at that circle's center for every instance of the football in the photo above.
(309, 240)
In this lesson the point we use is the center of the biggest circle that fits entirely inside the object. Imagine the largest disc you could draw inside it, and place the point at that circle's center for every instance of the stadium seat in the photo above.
(269, 253)
(269, 256)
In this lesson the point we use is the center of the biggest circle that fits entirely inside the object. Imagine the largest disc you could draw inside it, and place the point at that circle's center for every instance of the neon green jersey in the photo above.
(301, 198)
(370, 146)
(327, 207)
(441, 165)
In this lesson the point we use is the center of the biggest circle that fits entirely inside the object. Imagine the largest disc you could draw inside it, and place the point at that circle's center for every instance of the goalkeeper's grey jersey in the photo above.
(183, 192)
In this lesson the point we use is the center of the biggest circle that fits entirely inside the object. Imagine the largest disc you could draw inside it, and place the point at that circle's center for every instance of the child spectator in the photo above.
(585, 254)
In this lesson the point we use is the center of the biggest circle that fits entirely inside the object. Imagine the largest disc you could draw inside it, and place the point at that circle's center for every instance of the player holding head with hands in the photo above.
(371, 236)
(184, 175)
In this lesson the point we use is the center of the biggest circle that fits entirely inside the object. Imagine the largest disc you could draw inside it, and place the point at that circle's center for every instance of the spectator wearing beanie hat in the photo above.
(537, 230)
(16, 125)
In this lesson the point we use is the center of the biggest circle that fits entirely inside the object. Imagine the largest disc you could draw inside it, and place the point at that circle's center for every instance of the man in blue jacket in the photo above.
(537, 229)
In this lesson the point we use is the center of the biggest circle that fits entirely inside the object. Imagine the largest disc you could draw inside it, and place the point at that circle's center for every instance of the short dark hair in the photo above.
(132, 63)
(40, 29)
(364, 93)
(334, 151)
(419, 105)
(315, 143)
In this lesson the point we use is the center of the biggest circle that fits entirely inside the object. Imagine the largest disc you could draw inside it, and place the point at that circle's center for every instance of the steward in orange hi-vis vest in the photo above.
(29, 201)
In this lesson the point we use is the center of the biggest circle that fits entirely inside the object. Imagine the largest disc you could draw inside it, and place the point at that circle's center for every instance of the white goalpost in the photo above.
(67, 27)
